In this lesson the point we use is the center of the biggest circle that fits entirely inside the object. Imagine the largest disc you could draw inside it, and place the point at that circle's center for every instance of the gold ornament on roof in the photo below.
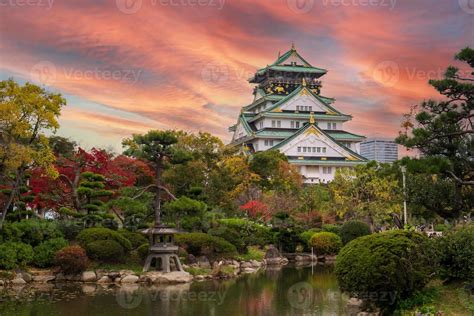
(311, 119)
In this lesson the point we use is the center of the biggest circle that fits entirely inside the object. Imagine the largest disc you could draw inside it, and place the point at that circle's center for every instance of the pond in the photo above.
(285, 291)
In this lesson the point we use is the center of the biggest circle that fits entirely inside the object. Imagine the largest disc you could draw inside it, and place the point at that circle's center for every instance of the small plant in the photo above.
(72, 259)
(326, 243)
(253, 253)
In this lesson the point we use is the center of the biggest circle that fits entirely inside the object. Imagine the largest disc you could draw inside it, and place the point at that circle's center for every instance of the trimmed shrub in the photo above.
(456, 253)
(200, 244)
(136, 239)
(72, 259)
(44, 252)
(325, 243)
(90, 235)
(105, 251)
(251, 233)
(385, 268)
(332, 229)
(70, 228)
(229, 234)
(31, 231)
(288, 238)
(15, 254)
(353, 229)
(306, 235)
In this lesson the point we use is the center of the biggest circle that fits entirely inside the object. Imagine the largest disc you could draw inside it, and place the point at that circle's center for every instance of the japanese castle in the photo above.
(289, 114)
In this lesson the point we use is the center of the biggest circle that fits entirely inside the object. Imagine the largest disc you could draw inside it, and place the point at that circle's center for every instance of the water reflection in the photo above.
(275, 291)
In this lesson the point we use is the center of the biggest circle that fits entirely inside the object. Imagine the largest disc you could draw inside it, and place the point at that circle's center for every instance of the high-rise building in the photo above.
(383, 150)
(289, 114)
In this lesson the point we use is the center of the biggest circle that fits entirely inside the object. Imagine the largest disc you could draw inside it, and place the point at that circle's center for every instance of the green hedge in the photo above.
(136, 239)
(325, 243)
(331, 228)
(105, 251)
(44, 253)
(15, 254)
(95, 234)
(352, 230)
(251, 233)
(203, 244)
(456, 253)
(385, 268)
(31, 231)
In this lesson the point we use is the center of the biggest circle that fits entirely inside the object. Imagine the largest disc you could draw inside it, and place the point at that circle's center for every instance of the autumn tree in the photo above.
(26, 113)
(366, 192)
(444, 128)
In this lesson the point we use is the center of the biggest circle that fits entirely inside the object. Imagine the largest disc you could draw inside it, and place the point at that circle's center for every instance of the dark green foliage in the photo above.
(325, 243)
(203, 244)
(45, 252)
(229, 234)
(187, 213)
(72, 260)
(15, 254)
(143, 251)
(456, 251)
(32, 232)
(243, 233)
(288, 238)
(105, 251)
(385, 268)
(70, 228)
(336, 229)
(353, 229)
(136, 239)
(90, 235)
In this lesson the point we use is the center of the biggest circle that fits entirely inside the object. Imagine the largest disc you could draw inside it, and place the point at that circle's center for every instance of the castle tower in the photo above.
(289, 114)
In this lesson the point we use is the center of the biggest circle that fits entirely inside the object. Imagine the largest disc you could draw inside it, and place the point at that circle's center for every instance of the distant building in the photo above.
(290, 115)
(383, 150)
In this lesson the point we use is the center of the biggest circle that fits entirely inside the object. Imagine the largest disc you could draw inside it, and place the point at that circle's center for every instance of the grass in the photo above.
(198, 271)
(253, 253)
(450, 299)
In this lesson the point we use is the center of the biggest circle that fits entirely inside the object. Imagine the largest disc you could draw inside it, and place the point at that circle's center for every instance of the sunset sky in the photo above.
(127, 66)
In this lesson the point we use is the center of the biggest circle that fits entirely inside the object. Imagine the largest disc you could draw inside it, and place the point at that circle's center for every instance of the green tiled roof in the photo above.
(295, 92)
(292, 69)
(304, 128)
(342, 135)
(342, 117)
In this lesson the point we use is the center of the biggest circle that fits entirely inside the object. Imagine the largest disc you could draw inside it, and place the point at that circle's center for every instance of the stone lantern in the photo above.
(163, 253)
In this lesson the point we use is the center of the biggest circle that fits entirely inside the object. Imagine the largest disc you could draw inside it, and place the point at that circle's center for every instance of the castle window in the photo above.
(304, 149)
(329, 125)
(311, 109)
(299, 149)
(278, 123)
(266, 142)
(271, 142)
(319, 149)
(273, 123)
(314, 149)
(297, 124)
(261, 124)
(324, 150)
(333, 125)
(297, 108)
(292, 124)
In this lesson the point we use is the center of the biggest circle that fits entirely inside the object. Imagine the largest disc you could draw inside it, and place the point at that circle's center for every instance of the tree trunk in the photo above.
(11, 198)
(157, 201)
(75, 184)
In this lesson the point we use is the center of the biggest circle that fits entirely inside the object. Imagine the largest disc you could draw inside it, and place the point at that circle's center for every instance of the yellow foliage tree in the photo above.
(26, 113)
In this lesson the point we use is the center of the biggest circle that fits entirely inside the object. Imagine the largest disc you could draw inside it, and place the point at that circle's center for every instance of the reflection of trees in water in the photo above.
(263, 293)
